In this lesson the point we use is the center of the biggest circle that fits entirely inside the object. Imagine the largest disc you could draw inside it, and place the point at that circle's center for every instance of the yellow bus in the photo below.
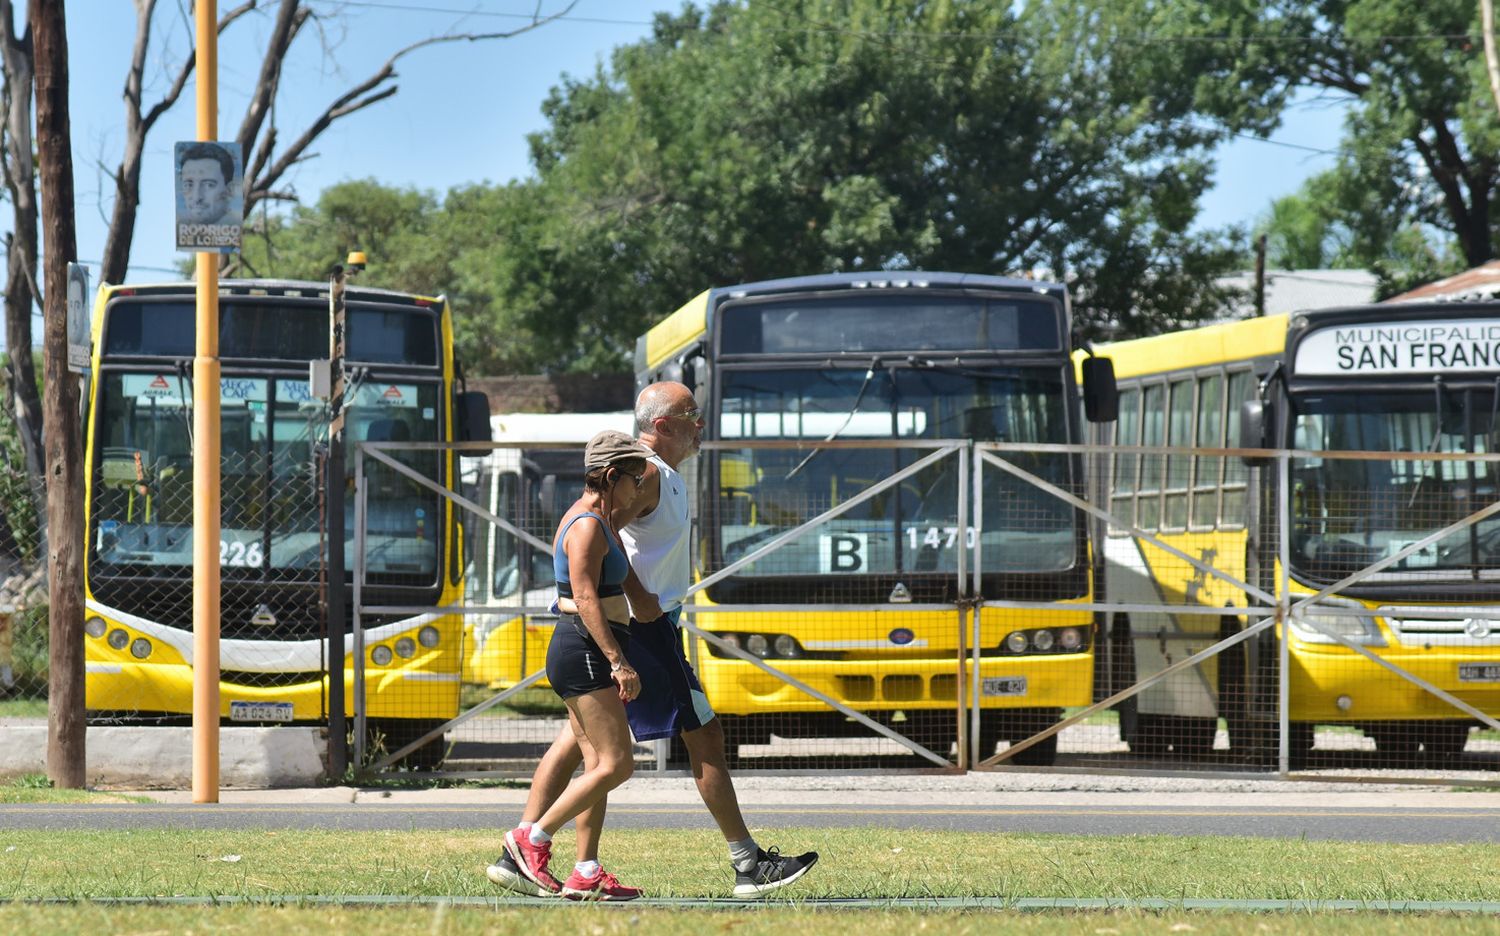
(274, 662)
(1398, 378)
(890, 361)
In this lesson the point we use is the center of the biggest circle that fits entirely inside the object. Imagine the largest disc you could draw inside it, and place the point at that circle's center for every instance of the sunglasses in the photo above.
(693, 415)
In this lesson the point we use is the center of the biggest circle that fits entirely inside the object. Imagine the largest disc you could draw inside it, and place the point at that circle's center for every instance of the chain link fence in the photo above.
(939, 605)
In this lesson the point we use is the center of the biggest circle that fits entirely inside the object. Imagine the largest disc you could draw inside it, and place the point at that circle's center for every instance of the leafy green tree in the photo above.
(1422, 144)
(774, 139)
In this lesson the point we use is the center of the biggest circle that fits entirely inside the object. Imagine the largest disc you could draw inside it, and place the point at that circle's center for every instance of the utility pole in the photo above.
(1260, 275)
(62, 445)
(206, 449)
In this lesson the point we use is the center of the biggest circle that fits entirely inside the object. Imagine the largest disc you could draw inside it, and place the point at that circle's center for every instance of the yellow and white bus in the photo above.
(1398, 378)
(274, 662)
(883, 360)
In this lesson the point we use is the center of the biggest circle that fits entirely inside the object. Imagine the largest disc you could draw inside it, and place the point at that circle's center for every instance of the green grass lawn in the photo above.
(769, 920)
(262, 865)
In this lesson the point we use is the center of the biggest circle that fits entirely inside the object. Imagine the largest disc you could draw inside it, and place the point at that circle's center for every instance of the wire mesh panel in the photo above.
(829, 621)
(273, 664)
(23, 592)
(1387, 659)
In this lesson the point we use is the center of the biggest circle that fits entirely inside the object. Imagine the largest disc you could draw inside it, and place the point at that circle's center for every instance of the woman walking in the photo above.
(586, 666)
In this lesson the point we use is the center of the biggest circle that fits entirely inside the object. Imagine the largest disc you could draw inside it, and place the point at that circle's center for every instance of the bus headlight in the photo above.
(405, 647)
(94, 627)
(1043, 640)
(140, 648)
(1070, 639)
(1326, 621)
(381, 655)
(118, 639)
(758, 645)
(787, 647)
(428, 636)
(1016, 642)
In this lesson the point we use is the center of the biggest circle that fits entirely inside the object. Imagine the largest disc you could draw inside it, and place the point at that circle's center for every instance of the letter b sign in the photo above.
(842, 553)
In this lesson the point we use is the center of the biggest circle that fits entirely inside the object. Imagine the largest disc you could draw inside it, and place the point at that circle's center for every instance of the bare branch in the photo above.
(362, 95)
(289, 21)
(183, 74)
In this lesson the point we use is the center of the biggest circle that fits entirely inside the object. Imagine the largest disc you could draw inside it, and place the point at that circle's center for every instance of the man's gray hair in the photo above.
(654, 403)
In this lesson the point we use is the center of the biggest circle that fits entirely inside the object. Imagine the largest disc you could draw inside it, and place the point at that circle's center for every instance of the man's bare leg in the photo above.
(553, 772)
(705, 747)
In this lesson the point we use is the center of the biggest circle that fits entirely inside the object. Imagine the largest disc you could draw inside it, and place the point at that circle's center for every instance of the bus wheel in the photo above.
(388, 735)
(1396, 742)
(1445, 739)
(1014, 726)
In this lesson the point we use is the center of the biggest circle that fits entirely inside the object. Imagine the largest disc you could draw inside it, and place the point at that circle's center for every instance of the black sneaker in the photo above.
(507, 874)
(772, 870)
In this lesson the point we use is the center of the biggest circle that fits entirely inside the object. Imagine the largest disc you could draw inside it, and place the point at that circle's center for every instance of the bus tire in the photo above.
(1396, 743)
(388, 735)
(1445, 740)
(996, 725)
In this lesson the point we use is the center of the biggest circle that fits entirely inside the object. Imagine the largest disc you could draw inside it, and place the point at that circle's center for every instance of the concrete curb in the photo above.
(163, 757)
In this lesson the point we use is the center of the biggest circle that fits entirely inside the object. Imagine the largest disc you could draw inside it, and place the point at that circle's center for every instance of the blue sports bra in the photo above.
(611, 575)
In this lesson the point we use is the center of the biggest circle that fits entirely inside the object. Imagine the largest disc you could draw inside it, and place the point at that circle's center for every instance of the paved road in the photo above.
(1458, 823)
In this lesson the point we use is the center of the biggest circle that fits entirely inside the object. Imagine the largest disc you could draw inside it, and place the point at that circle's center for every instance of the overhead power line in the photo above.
(1142, 39)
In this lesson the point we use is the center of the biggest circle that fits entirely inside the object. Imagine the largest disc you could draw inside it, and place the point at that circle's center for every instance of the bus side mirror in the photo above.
(1101, 397)
(1253, 431)
(472, 410)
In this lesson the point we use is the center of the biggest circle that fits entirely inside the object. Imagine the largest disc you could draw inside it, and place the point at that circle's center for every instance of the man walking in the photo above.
(655, 530)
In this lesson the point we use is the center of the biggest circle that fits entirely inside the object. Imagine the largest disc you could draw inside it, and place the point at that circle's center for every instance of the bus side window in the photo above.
(1210, 435)
(1236, 473)
(1179, 467)
(1153, 434)
(1127, 432)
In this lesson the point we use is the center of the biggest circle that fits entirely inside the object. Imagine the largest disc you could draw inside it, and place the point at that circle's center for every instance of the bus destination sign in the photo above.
(1416, 347)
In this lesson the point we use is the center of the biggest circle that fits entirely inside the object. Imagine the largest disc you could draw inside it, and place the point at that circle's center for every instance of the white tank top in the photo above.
(657, 543)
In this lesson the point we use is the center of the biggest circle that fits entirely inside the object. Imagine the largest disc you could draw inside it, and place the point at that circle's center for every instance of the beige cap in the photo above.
(611, 446)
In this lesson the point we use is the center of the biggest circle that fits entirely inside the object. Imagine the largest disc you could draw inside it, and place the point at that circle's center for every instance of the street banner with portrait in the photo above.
(210, 196)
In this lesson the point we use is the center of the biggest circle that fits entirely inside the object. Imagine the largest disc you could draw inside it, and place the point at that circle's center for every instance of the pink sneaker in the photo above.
(531, 860)
(602, 886)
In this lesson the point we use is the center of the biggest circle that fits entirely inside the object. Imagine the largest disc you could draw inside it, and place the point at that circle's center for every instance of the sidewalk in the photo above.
(987, 789)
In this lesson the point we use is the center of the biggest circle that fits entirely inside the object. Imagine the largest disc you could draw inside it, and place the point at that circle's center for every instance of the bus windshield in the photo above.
(1348, 514)
(911, 528)
(142, 515)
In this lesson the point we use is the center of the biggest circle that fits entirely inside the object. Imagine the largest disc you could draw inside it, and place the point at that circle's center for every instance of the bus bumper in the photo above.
(738, 688)
(147, 689)
(1339, 685)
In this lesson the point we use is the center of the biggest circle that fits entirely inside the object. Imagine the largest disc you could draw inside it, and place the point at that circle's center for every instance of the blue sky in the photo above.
(462, 112)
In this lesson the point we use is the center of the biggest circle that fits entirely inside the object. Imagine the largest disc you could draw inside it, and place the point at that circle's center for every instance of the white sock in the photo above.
(743, 854)
(538, 836)
(587, 869)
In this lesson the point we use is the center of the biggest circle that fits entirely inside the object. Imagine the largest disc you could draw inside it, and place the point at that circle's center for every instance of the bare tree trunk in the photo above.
(22, 399)
(65, 703)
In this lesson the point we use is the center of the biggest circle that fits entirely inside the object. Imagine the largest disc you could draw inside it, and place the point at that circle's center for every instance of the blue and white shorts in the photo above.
(671, 700)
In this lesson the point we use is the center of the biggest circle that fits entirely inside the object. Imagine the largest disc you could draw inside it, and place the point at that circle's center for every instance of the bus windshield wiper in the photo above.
(858, 398)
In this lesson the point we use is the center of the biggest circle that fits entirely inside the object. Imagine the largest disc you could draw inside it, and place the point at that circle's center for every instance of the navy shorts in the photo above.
(671, 700)
(575, 664)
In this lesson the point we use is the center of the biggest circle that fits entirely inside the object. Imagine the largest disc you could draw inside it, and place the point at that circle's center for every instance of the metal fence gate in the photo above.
(1380, 657)
(1184, 642)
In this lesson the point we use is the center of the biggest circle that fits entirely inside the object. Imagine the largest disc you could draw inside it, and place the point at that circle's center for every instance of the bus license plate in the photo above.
(1004, 686)
(260, 711)
(1479, 672)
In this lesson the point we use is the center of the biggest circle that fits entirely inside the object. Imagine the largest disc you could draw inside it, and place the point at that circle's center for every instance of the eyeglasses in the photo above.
(693, 415)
